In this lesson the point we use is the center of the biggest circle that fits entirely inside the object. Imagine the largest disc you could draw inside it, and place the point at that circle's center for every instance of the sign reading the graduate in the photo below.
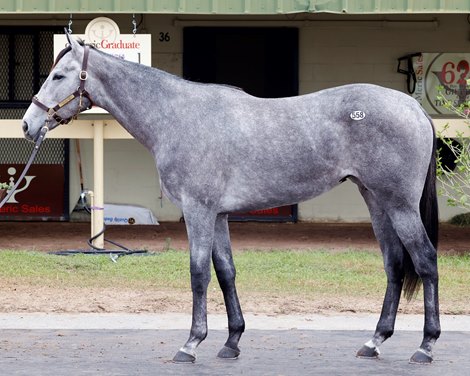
(448, 71)
(103, 34)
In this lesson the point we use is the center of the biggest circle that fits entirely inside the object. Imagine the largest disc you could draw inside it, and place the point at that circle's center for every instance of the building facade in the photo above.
(269, 48)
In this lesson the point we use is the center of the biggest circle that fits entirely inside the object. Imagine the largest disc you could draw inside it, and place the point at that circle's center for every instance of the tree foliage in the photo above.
(455, 184)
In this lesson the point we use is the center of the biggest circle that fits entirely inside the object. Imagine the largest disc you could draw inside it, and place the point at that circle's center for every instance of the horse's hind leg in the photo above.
(393, 254)
(200, 223)
(409, 227)
(225, 270)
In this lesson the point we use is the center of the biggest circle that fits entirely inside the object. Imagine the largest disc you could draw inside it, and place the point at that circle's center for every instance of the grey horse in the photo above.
(220, 150)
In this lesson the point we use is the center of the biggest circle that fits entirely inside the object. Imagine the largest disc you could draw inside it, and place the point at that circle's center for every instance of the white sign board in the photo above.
(447, 70)
(103, 34)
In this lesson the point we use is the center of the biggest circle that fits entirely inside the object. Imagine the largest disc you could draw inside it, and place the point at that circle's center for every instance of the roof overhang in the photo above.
(235, 7)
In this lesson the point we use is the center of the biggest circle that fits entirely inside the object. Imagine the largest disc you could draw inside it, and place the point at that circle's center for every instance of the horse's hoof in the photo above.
(367, 352)
(184, 357)
(421, 357)
(228, 353)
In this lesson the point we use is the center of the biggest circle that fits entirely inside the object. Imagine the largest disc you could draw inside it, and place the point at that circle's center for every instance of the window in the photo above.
(28, 58)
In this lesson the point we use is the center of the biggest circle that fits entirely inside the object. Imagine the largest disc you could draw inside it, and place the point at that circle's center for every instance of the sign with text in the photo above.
(286, 213)
(103, 34)
(448, 71)
(39, 197)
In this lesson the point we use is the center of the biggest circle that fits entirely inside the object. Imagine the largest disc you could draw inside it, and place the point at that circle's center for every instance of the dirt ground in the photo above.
(53, 236)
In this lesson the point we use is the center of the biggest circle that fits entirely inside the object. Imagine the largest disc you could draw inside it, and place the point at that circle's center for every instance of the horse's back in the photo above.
(343, 111)
(364, 107)
(338, 126)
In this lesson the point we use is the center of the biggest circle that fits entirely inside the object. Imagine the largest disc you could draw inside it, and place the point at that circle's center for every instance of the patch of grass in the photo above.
(454, 279)
(167, 269)
(277, 273)
(311, 272)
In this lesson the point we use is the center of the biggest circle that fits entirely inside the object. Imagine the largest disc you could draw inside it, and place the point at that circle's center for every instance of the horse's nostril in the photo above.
(25, 126)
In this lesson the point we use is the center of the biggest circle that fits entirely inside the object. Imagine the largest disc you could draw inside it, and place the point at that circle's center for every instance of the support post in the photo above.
(98, 178)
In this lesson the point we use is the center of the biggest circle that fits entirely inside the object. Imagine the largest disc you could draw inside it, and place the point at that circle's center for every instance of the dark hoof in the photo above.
(182, 357)
(228, 353)
(368, 352)
(421, 357)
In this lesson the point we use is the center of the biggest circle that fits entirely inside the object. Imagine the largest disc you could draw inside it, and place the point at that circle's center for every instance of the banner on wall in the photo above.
(104, 34)
(37, 198)
(448, 71)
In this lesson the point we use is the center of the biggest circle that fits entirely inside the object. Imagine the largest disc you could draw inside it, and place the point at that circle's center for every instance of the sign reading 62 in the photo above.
(450, 72)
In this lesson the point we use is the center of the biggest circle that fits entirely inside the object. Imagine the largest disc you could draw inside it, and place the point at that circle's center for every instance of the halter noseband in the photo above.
(80, 93)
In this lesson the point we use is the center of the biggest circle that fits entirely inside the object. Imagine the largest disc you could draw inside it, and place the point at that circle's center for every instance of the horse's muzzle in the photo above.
(33, 137)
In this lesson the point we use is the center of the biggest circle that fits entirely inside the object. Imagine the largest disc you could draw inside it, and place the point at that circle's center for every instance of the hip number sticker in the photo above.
(357, 115)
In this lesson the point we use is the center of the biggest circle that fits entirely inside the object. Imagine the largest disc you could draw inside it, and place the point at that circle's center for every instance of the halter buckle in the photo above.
(83, 75)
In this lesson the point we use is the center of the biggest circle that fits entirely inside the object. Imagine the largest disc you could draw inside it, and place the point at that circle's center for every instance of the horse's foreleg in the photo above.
(200, 228)
(225, 270)
(393, 252)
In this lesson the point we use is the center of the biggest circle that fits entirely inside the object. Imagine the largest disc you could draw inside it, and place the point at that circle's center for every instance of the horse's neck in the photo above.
(135, 97)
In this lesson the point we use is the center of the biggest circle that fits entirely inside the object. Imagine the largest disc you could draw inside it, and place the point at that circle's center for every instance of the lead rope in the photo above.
(38, 143)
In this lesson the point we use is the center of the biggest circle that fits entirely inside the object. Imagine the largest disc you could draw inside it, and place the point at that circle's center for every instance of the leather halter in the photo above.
(80, 93)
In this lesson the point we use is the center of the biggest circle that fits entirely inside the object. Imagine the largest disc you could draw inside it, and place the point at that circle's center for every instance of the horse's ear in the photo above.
(71, 40)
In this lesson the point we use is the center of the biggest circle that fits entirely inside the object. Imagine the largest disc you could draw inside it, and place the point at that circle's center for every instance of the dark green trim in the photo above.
(234, 7)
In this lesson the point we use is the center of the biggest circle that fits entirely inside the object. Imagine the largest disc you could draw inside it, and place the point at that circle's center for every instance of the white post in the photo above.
(98, 177)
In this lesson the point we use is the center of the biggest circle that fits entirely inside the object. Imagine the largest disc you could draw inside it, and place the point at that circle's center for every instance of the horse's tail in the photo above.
(429, 216)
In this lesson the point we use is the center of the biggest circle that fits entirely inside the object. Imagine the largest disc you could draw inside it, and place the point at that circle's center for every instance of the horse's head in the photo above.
(63, 95)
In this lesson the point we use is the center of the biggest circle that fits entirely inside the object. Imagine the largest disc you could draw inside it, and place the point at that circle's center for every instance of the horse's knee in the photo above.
(199, 282)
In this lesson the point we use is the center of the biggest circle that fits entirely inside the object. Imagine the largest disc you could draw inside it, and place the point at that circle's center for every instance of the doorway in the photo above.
(263, 61)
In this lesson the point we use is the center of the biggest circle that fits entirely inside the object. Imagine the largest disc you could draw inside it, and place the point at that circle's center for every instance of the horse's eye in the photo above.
(57, 77)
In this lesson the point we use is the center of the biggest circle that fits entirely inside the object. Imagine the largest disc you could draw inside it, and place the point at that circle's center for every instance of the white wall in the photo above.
(130, 177)
(334, 50)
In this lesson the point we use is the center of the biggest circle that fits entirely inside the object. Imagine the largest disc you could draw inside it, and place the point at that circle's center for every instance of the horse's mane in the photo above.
(68, 48)
(61, 55)
(81, 42)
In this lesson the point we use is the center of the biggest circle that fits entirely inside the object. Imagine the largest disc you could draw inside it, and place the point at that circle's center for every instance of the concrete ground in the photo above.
(115, 344)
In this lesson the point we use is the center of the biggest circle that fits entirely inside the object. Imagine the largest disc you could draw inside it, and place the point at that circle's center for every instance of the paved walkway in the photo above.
(166, 321)
(114, 344)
